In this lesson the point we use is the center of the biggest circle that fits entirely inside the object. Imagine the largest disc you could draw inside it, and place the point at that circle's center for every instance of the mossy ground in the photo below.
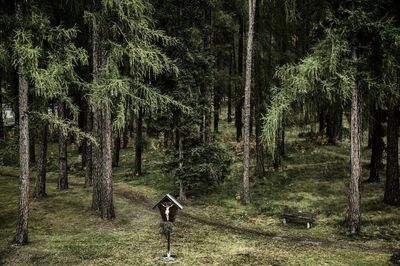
(213, 229)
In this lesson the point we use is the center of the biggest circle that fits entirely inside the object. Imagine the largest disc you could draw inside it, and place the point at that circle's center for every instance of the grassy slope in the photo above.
(213, 229)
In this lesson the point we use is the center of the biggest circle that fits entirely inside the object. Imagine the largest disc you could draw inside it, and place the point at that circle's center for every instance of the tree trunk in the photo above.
(21, 236)
(82, 124)
(392, 191)
(279, 142)
(340, 124)
(331, 124)
(259, 97)
(377, 146)
(2, 134)
(62, 151)
(354, 215)
(96, 157)
(208, 86)
(321, 117)
(41, 177)
(231, 66)
(251, 122)
(247, 99)
(182, 190)
(217, 103)
(125, 138)
(139, 143)
(117, 146)
(32, 155)
(89, 150)
(238, 93)
(259, 170)
(102, 179)
(107, 204)
(102, 156)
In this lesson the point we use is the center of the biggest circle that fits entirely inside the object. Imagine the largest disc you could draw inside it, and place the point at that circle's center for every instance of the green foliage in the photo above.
(134, 58)
(9, 152)
(166, 228)
(205, 166)
(47, 56)
(3, 54)
(326, 71)
(68, 127)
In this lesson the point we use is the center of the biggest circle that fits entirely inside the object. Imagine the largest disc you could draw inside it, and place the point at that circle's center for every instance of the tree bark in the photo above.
(62, 151)
(247, 99)
(354, 216)
(139, 143)
(259, 97)
(217, 106)
(238, 93)
(96, 157)
(231, 67)
(107, 204)
(125, 138)
(102, 179)
(279, 142)
(89, 149)
(2, 133)
(377, 146)
(41, 178)
(32, 155)
(102, 200)
(182, 190)
(259, 170)
(392, 190)
(209, 85)
(331, 124)
(82, 124)
(321, 121)
(117, 149)
(21, 236)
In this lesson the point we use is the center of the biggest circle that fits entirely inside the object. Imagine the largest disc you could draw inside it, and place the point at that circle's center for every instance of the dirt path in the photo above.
(137, 197)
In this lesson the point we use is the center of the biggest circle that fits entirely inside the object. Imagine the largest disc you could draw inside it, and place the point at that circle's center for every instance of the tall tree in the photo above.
(238, 92)
(21, 236)
(259, 93)
(121, 33)
(45, 57)
(247, 99)
(392, 188)
(42, 163)
(377, 145)
(139, 142)
(89, 149)
(354, 215)
(102, 165)
(62, 151)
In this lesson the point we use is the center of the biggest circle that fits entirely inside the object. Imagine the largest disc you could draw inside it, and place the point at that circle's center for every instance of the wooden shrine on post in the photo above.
(168, 207)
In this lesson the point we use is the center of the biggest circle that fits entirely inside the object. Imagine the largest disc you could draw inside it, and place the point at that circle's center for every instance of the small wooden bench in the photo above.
(299, 217)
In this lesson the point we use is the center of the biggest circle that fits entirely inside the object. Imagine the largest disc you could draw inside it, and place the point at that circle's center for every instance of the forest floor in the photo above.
(213, 229)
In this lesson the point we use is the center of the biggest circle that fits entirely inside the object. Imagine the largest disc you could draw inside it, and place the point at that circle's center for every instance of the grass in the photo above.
(213, 229)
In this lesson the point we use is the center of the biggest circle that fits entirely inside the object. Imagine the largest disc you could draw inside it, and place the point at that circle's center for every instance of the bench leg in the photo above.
(308, 225)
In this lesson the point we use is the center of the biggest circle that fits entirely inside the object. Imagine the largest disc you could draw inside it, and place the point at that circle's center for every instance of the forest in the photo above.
(201, 132)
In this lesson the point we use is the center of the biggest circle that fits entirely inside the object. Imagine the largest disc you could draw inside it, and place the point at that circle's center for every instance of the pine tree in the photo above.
(21, 236)
(247, 94)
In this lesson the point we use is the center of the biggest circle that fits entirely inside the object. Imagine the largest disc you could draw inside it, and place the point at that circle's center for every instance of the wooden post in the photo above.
(169, 245)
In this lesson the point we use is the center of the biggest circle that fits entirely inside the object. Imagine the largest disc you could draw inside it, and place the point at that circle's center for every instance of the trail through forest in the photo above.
(137, 198)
